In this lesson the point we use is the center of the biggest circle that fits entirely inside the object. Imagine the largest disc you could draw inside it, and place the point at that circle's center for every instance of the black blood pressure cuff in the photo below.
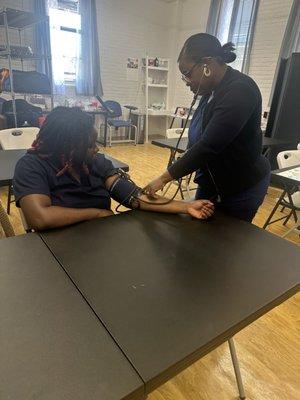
(124, 191)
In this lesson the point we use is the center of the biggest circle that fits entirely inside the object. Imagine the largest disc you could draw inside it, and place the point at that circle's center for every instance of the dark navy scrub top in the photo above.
(196, 129)
(34, 175)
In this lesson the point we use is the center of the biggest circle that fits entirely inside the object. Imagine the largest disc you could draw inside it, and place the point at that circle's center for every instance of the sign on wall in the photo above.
(132, 69)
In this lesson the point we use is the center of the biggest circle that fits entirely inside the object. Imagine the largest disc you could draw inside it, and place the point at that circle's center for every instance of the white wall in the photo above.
(192, 19)
(269, 30)
(130, 29)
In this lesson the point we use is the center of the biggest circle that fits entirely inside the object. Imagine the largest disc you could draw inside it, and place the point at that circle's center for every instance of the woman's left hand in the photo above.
(201, 209)
(157, 184)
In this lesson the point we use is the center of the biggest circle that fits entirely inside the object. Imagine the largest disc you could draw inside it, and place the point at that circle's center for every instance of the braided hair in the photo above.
(203, 45)
(65, 136)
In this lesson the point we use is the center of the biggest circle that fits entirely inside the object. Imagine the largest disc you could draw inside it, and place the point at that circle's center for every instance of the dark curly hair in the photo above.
(203, 45)
(65, 136)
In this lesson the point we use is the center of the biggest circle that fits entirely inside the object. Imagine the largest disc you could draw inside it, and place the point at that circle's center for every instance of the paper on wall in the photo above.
(132, 69)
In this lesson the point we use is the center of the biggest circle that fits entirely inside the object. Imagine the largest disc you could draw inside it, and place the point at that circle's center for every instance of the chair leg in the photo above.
(171, 157)
(295, 228)
(187, 183)
(237, 371)
(167, 188)
(180, 190)
(292, 206)
(269, 219)
(8, 199)
(288, 217)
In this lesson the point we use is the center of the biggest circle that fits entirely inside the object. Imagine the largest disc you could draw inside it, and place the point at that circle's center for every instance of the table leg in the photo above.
(138, 129)
(237, 370)
(266, 151)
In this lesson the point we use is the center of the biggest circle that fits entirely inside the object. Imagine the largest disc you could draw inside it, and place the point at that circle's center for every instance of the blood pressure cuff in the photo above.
(124, 191)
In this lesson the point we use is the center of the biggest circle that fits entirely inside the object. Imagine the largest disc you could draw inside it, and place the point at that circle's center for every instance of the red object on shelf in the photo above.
(41, 121)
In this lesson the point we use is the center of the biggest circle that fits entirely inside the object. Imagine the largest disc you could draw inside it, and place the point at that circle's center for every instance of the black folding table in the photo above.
(170, 289)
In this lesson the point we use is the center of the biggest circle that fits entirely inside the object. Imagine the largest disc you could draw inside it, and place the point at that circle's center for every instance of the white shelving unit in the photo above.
(156, 84)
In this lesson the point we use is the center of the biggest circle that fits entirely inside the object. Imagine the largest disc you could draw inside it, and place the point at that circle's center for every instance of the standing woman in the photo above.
(225, 138)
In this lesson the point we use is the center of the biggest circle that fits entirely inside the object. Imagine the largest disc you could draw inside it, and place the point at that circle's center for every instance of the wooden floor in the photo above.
(268, 350)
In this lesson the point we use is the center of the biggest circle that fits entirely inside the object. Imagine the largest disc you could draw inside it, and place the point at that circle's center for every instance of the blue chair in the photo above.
(115, 122)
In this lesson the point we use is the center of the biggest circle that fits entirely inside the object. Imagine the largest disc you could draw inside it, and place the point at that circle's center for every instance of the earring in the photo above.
(207, 71)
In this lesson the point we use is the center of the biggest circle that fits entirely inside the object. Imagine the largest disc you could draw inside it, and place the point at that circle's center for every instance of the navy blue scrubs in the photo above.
(243, 205)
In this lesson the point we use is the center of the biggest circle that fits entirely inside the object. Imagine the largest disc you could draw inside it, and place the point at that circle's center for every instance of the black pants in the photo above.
(244, 205)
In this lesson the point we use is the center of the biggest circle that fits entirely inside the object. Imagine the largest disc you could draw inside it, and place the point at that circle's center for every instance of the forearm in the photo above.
(148, 203)
(192, 160)
(55, 217)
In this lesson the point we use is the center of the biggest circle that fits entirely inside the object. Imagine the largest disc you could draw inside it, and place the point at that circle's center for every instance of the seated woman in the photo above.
(63, 179)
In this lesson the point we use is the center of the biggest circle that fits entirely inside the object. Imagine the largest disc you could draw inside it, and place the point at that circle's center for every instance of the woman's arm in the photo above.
(230, 115)
(40, 214)
(200, 209)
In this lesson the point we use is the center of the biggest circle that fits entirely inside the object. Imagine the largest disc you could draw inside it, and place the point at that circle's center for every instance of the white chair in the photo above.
(174, 133)
(290, 158)
(18, 138)
(285, 159)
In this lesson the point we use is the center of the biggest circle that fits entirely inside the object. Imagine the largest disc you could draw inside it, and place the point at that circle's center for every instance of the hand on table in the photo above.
(200, 209)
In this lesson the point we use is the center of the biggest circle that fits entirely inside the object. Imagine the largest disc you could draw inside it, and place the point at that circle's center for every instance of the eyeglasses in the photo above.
(186, 76)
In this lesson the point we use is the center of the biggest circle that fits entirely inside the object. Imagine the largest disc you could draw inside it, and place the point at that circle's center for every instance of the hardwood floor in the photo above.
(268, 349)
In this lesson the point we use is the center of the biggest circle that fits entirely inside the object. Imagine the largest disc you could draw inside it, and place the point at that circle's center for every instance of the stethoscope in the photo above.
(204, 73)
(216, 198)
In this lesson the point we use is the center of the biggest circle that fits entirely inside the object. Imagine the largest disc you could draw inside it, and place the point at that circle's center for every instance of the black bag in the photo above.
(28, 82)
(25, 112)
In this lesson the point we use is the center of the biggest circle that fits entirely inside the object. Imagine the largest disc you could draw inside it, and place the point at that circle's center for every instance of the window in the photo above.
(233, 21)
(65, 31)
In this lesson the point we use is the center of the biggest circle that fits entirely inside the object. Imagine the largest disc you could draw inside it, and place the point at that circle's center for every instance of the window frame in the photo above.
(213, 23)
(62, 6)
